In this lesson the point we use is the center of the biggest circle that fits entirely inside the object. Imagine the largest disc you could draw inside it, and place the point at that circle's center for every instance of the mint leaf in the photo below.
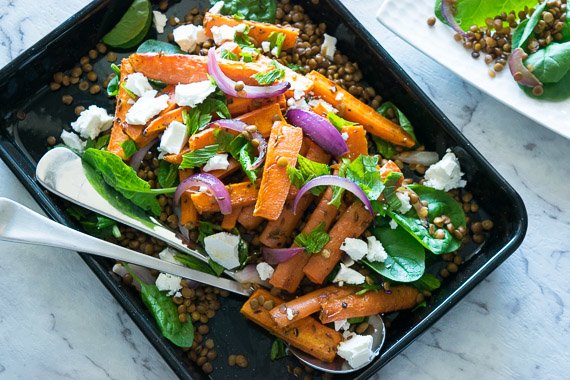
(113, 86)
(198, 157)
(276, 40)
(315, 241)
(272, 76)
(167, 174)
(278, 349)
(226, 54)
(390, 184)
(338, 121)
(306, 171)
(129, 148)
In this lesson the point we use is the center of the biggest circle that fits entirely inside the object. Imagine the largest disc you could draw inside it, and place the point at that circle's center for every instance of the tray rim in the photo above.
(19, 163)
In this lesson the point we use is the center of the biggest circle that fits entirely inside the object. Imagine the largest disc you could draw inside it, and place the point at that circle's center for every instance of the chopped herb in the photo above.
(93, 223)
(129, 92)
(167, 174)
(249, 54)
(217, 268)
(276, 40)
(356, 320)
(257, 10)
(239, 148)
(198, 157)
(113, 86)
(364, 172)
(296, 68)
(306, 171)
(238, 16)
(99, 143)
(194, 263)
(272, 76)
(338, 121)
(129, 148)
(226, 54)
(206, 229)
(428, 282)
(385, 148)
(368, 288)
(198, 117)
(391, 182)
(243, 40)
(278, 349)
(315, 241)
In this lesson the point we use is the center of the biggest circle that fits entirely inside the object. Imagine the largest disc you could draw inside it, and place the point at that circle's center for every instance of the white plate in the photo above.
(407, 18)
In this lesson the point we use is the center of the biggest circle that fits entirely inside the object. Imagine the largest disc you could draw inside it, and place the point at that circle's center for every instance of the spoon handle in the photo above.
(22, 225)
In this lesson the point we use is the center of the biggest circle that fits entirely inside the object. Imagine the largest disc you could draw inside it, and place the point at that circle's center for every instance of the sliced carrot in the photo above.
(263, 118)
(354, 110)
(118, 136)
(307, 334)
(160, 123)
(352, 223)
(188, 213)
(284, 145)
(232, 168)
(320, 110)
(239, 106)
(247, 220)
(388, 168)
(230, 220)
(307, 304)
(241, 194)
(184, 173)
(259, 31)
(288, 275)
(370, 303)
(356, 142)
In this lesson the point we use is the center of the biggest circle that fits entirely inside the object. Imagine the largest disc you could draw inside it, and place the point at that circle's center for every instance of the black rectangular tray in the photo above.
(24, 87)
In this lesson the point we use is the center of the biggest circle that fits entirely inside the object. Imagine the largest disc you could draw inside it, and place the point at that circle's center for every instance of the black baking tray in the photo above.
(24, 87)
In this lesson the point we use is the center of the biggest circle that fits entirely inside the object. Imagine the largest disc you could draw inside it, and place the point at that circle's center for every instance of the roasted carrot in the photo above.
(263, 118)
(241, 194)
(184, 173)
(230, 220)
(161, 122)
(283, 147)
(221, 174)
(188, 213)
(247, 220)
(299, 82)
(118, 136)
(354, 110)
(388, 168)
(288, 275)
(259, 31)
(307, 304)
(370, 303)
(352, 223)
(117, 139)
(320, 110)
(356, 142)
(239, 106)
(307, 334)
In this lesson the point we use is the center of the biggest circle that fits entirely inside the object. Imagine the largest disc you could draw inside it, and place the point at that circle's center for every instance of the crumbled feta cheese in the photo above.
(328, 48)
(167, 254)
(298, 103)
(169, 283)
(174, 138)
(265, 271)
(223, 33)
(315, 102)
(138, 84)
(290, 314)
(193, 94)
(298, 94)
(159, 20)
(217, 162)
(405, 201)
(266, 46)
(223, 248)
(240, 28)
(275, 51)
(72, 141)
(341, 325)
(344, 136)
(349, 276)
(146, 107)
(393, 224)
(217, 8)
(355, 248)
(189, 36)
(92, 121)
(357, 350)
(376, 251)
(445, 174)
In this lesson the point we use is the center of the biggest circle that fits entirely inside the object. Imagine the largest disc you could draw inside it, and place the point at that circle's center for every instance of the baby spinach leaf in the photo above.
(551, 63)
(155, 46)
(518, 34)
(129, 148)
(552, 91)
(99, 143)
(315, 241)
(216, 268)
(406, 257)
(428, 282)
(122, 178)
(113, 86)
(278, 349)
(257, 10)
(440, 203)
(528, 29)
(93, 223)
(386, 149)
(198, 157)
(132, 27)
(167, 174)
(402, 119)
(194, 263)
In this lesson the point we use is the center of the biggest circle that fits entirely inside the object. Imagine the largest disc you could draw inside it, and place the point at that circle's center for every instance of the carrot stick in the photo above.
(239, 106)
(356, 142)
(354, 110)
(247, 220)
(259, 31)
(352, 223)
(288, 275)
(305, 305)
(188, 213)
(241, 194)
(263, 118)
(370, 303)
(307, 334)
(284, 145)
(184, 173)
(230, 220)
(160, 123)
(388, 168)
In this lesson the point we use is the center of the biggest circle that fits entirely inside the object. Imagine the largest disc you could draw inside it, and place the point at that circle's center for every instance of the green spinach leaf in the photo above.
(257, 10)
(113, 86)
(550, 64)
(194, 263)
(403, 121)
(315, 241)
(100, 143)
(528, 28)
(167, 174)
(278, 349)
(198, 157)
(155, 46)
(129, 148)
(428, 282)
(386, 149)
(93, 223)
(440, 203)
(206, 229)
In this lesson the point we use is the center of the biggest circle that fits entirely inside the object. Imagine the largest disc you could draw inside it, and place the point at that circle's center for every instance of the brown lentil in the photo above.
(67, 99)
(83, 85)
(111, 56)
(78, 110)
(232, 360)
(51, 140)
(241, 361)
(95, 89)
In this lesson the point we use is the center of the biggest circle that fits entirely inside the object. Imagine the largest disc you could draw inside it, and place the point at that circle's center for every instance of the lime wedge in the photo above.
(132, 27)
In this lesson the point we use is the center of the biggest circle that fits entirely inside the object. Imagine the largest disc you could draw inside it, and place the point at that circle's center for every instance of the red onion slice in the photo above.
(215, 187)
(333, 180)
(319, 129)
(228, 85)
(447, 12)
(418, 158)
(274, 256)
(249, 275)
(138, 157)
(239, 126)
(520, 72)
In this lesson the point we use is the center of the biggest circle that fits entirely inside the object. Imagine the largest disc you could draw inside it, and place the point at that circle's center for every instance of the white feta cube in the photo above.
(293, 103)
(341, 325)
(344, 136)
(240, 28)
(348, 276)
(223, 33)
(266, 46)
(167, 254)
(193, 94)
(265, 271)
(159, 21)
(217, 8)
(73, 141)
(393, 224)
(376, 251)
(405, 201)
(328, 48)
(357, 350)
(189, 36)
(92, 121)
(223, 248)
(138, 84)
(146, 107)
(168, 283)
(275, 52)
(445, 174)
(174, 138)
(355, 248)
(217, 162)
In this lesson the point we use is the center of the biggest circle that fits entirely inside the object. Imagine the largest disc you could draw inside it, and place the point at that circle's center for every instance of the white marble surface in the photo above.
(58, 321)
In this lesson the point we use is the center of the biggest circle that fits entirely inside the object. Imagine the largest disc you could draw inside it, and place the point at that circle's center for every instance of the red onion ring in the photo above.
(215, 187)
(447, 12)
(274, 256)
(239, 126)
(249, 275)
(319, 129)
(333, 180)
(138, 157)
(228, 85)
(520, 72)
